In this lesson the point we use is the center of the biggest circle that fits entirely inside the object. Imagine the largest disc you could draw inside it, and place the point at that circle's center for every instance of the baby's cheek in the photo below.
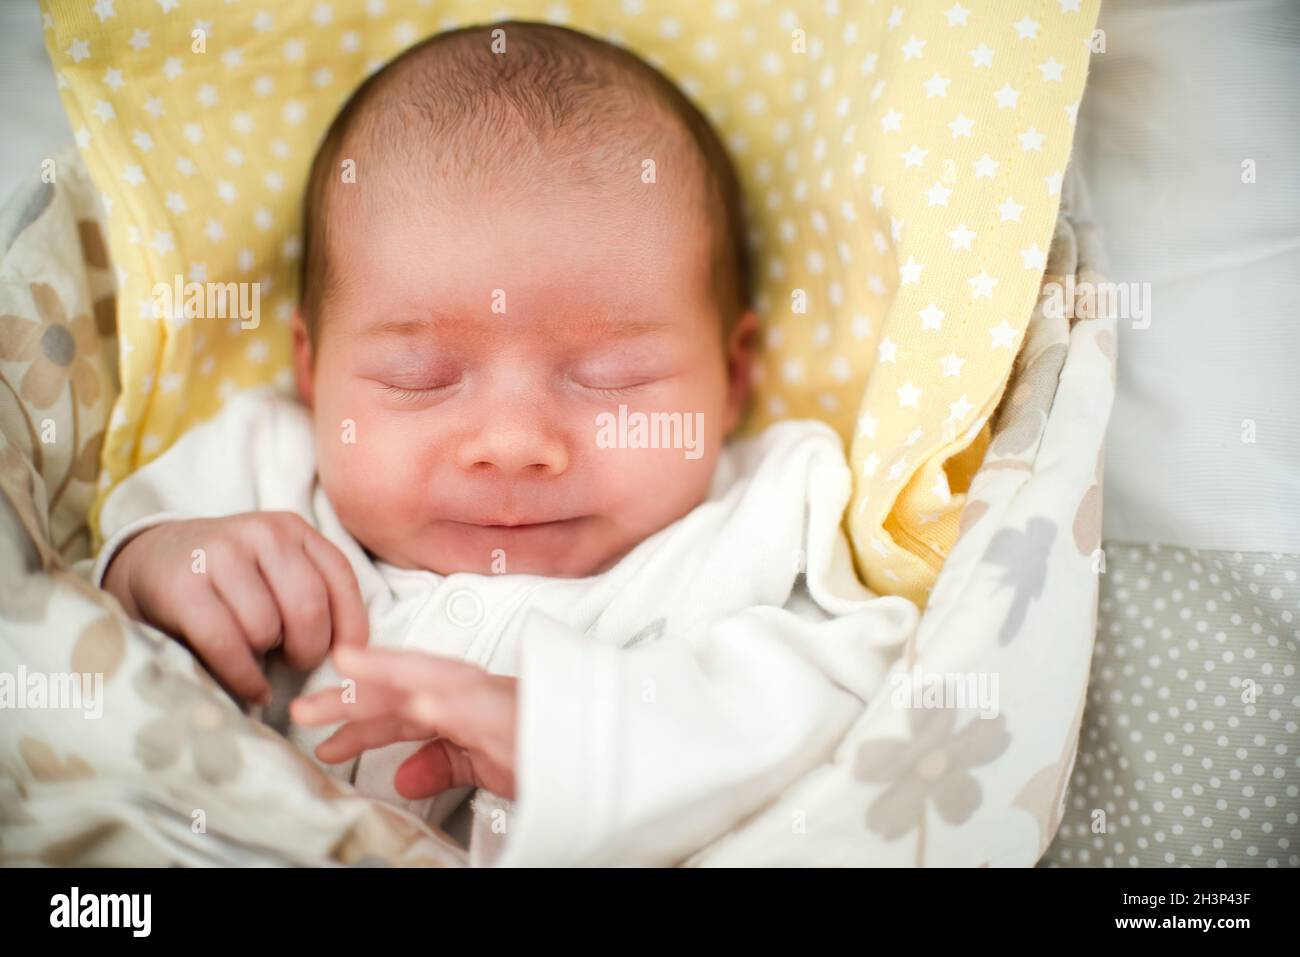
(654, 487)
(363, 470)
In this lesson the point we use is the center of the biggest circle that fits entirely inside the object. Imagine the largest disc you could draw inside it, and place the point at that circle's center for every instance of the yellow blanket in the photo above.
(902, 163)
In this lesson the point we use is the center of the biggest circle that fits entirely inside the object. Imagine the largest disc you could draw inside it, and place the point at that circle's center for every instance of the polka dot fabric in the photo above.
(1189, 754)
(902, 165)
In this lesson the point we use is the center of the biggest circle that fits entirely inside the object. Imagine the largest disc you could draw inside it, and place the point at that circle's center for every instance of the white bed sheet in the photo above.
(1183, 95)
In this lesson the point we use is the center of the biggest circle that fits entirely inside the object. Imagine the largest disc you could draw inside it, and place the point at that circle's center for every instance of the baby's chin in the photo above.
(573, 548)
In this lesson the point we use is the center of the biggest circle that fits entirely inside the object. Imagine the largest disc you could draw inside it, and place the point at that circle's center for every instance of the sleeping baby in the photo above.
(499, 540)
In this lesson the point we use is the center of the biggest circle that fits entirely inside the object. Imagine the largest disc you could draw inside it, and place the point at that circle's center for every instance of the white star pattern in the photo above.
(103, 110)
(910, 272)
(908, 396)
(1026, 29)
(1009, 211)
(986, 167)
(961, 237)
(960, 409)
(937, 195)
(931, 317)
(1031, 139)
(1004, 337)
(1033, 257)
(867, 424)
(981, 286)
(982, 55)
(936, 86)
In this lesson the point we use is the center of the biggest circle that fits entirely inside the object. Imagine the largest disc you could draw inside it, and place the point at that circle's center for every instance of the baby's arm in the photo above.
(643, 756)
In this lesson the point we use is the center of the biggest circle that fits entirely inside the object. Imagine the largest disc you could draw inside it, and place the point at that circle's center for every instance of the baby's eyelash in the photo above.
(407, 395)
(618, 393)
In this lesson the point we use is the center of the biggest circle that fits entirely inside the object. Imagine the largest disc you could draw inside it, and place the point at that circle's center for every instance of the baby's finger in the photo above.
(211, 631)
(357, 736)
(240, 585)
(413, 672)
(354, 702)
(304, 604)
(347, 609)
(438, 766)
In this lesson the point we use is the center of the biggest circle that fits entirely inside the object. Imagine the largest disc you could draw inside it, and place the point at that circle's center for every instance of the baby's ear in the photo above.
(742, 349)
(303, 365)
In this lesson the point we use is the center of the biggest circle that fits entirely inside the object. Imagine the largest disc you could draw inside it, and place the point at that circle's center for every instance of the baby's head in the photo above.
(509, 236)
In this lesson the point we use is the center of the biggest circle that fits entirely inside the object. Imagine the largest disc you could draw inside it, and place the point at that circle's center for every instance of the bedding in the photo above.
(1189, 749)
(1187, 138)
(173, 773)
(964, 761)
(903, 166)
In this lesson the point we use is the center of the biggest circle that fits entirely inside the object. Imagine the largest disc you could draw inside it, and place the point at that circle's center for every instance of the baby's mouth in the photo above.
(512, 525)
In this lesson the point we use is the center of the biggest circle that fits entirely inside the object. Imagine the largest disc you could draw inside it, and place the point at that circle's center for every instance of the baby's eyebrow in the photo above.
(588, 324)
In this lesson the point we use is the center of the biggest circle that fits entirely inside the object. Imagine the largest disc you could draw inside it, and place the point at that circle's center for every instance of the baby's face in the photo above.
(466, 358)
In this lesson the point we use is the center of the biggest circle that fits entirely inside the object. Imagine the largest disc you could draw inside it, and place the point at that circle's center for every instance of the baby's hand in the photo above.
(235, 587)
(410, 696)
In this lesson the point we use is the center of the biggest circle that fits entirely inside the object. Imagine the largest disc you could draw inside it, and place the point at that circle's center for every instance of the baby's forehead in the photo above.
(559, 116)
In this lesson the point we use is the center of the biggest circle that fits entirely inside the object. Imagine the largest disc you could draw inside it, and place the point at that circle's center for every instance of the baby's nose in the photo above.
(513, 448)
